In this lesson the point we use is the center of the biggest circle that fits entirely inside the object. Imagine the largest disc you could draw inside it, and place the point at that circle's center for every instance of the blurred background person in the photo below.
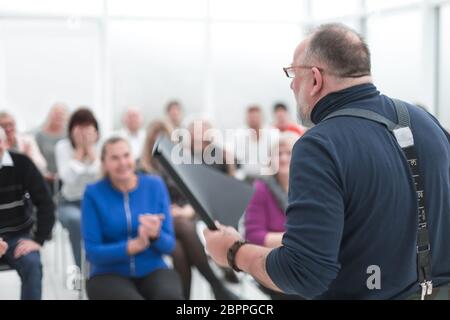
(133, 131)
(22, 143)
(22, 236)
(53, 130)
(189, 251)
(78, 164)
(202, 144)
(283, 121)
(174, 115)
(252, 145)
(127, 229)
(265, 216)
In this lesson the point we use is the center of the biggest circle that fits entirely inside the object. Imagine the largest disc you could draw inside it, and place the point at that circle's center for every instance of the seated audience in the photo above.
(22, 143)
(78, 165)
(21, 237)
(127, 228)
(265, 215)
(189, 251)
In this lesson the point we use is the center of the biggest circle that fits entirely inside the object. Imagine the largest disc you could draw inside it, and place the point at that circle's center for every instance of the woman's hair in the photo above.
(154, 129)
(288, 138)
(110, 141)
(81, 117)
(106, 144)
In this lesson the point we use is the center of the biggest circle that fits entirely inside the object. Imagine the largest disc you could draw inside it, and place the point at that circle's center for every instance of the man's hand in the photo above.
(24, 247)
(219, 241)
(3, 247)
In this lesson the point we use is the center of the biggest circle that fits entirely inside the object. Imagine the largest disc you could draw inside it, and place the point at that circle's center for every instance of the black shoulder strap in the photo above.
(403, 135)
(278, 192)
(364, 114)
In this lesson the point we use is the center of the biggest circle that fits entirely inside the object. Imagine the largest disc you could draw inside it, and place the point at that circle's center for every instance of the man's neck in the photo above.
(133, 132)
(174, 123)
(54, 129)
(342, 84)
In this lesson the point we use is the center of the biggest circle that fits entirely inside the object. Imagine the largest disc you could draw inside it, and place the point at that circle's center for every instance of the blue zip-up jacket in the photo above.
(352, 204)
(110, 219)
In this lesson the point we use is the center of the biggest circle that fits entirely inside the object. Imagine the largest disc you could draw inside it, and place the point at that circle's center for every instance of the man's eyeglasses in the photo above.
(290, 71)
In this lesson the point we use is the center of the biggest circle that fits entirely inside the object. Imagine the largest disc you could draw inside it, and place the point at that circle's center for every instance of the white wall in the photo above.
(153, 62)
(247, 68)
(43, 61)
(395, 41)
(216, 56)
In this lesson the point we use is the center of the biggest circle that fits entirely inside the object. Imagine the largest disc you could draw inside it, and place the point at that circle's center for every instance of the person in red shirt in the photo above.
(283, 120)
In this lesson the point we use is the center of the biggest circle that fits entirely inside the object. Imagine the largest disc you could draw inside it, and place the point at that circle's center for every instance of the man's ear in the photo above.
(317, 81)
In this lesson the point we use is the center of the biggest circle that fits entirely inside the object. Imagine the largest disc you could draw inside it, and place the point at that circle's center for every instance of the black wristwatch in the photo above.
(231, 256)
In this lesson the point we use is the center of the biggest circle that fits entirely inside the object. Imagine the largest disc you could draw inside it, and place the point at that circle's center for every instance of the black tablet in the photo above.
(212, 194)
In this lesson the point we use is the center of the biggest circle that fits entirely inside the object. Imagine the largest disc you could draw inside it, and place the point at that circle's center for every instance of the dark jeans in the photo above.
(161, 284)
(28, 267)
(70, 218)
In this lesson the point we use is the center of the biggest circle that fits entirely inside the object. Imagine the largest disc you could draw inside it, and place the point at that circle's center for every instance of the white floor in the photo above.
(56, 258)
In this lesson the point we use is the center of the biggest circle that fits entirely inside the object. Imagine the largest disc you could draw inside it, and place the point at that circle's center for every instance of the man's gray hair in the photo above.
(2, 134)
(340, 49)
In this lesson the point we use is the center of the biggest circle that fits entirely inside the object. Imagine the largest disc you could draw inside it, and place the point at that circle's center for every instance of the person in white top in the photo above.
(22, 143)
(133, 130)
(78, 164)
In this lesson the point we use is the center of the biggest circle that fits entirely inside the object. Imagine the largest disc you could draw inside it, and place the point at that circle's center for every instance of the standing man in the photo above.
(352, 219)
(21, 187)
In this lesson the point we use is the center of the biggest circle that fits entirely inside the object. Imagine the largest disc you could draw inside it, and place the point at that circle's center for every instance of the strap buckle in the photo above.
(404, 137)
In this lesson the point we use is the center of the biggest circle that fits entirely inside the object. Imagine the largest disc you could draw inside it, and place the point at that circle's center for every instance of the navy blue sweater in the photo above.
(352, 204)
(107, 227)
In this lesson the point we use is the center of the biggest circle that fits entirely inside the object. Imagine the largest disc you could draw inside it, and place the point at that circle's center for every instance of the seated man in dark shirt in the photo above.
(22, 187)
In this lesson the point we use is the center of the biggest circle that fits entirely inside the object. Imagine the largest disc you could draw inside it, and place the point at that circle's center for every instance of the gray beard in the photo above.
(304, 121)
